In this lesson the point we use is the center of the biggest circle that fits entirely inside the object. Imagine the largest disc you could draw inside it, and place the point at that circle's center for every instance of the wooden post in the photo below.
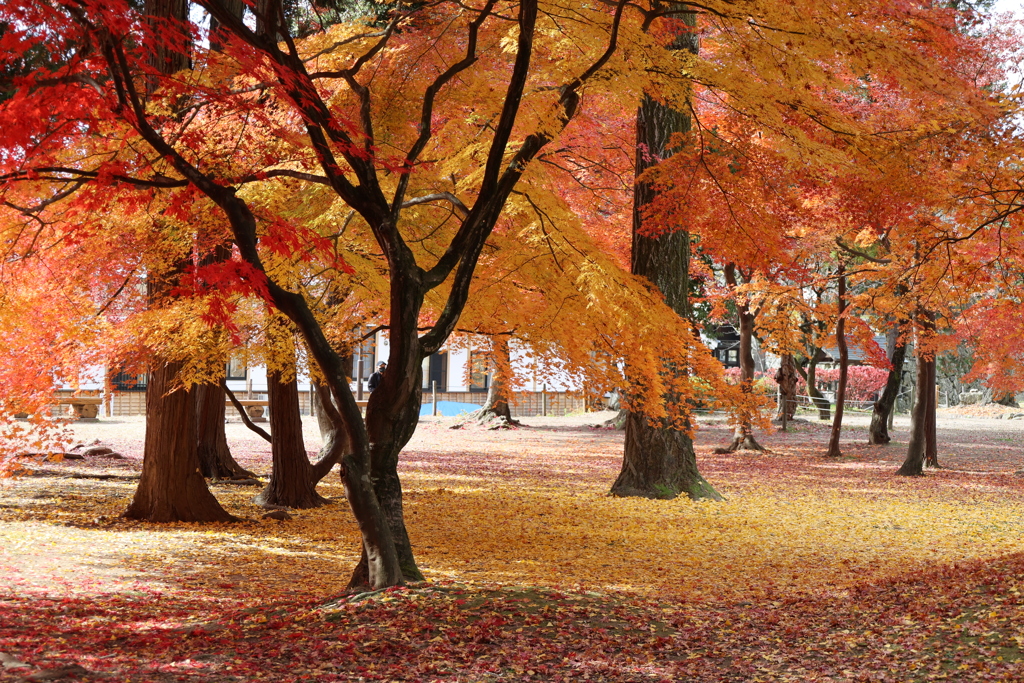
(433, 396)
(108, 395)
(544, 400)
(936, 396)
(784, 406)
(248, 389)
(359, 372)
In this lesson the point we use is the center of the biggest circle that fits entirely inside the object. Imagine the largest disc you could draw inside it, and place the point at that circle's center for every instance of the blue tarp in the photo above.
(448, 408)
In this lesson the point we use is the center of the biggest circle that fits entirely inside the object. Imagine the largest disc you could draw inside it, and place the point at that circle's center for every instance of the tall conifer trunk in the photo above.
(171, 487)
(291, 480)
(931, 445)
(659, 461)
(215, 459)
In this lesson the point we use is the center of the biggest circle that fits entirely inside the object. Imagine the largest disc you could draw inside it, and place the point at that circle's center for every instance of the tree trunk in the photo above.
(787, 378)
(291, 479)
(659, 464)
(335, 440)
(215, 460)
(878, 432)
(392, 414)
(924, 401)
(844, 363)
(931, 446)
(659, 461)
(743, 437)
(820, 402)
(496, 406)
(1007, 399)
(171, 487)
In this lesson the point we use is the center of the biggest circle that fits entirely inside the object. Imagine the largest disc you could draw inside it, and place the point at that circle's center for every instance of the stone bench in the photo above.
(85, 407)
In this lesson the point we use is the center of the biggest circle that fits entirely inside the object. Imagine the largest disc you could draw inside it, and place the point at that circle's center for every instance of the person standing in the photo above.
(377, 377)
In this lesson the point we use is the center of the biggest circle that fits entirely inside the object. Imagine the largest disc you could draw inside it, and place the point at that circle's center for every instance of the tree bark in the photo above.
(291, 479)
(743, 437)
(496, 407)
(659, 464)
(787, 378)
(924, 401)
(392, 413)
(878, 431)
(171, 487)
(659, 461)
(931, 446)
(844, 362)
(215, 460)
(810, 379)
(335, 440)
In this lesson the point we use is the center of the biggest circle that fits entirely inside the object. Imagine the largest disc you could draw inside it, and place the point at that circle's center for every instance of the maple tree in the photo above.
(304, 132)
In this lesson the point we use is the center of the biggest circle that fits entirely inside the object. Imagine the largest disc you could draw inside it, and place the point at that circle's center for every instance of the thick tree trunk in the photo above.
(878, 431)
(496, 408)
(659, 461)
(660, 464)
(291, 479)
(844, 363)
(171, 487)
(392, 414)
(787, 378)
(743, 437)
(215, 460)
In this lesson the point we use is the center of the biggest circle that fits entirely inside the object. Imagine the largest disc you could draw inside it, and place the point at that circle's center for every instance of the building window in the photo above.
(435, 369)
(364, 354)
(129, 381)
(733, 356)
(236, 368)
(479, 375)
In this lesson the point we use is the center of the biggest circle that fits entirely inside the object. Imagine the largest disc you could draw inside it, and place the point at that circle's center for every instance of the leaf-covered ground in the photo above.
(811, 570)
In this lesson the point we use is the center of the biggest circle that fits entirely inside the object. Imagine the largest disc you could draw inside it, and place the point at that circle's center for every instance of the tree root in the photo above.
(742, 443)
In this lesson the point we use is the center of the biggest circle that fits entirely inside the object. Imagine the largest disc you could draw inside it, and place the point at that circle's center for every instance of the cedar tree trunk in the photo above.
(878, 432)
(659, 461)
(215, 460)
(291, 479)
(171, 487)
(844, 363)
